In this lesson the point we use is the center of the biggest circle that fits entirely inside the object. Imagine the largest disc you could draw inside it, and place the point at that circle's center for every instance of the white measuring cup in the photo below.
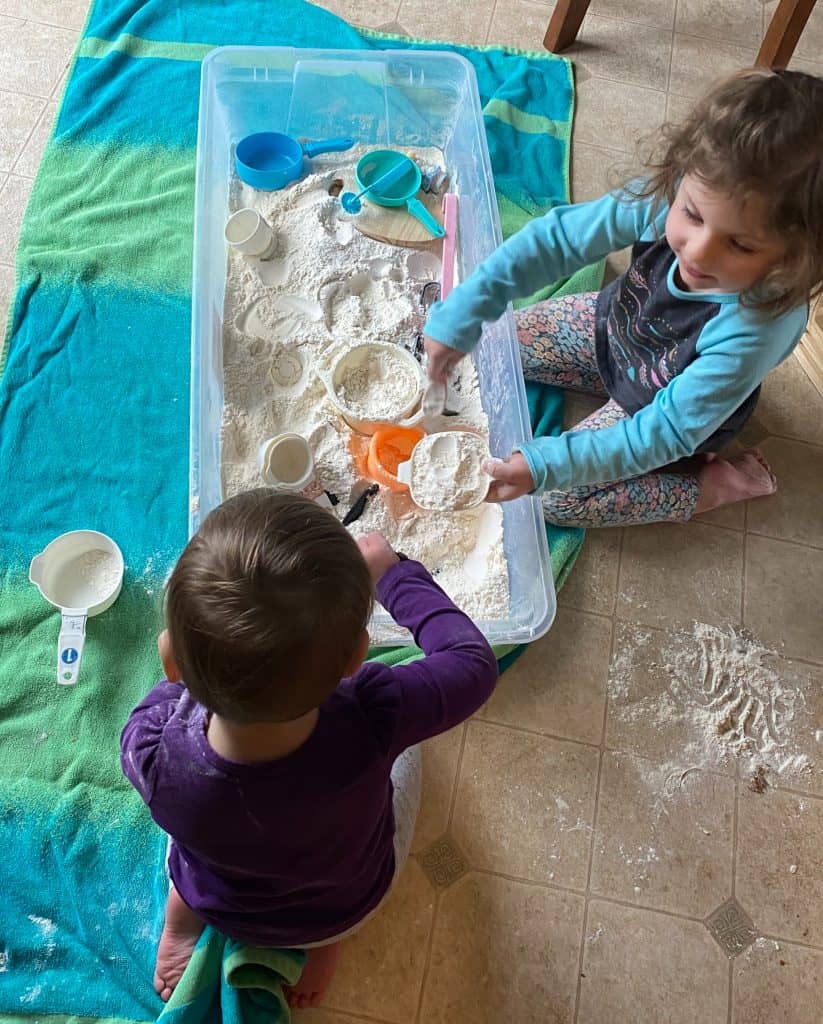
(287, 464)
(81, 573)
(444, 472)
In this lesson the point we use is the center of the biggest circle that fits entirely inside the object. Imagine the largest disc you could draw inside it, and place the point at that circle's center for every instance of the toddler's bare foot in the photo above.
(181, 931)
(724, 481)
(316, 977)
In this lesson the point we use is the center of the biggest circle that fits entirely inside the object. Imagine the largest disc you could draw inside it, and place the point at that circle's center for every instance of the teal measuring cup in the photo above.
(400, 191)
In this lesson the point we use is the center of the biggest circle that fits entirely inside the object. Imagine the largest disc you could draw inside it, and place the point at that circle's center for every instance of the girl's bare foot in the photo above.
(724, 481)
(181, 931)
(316, 977)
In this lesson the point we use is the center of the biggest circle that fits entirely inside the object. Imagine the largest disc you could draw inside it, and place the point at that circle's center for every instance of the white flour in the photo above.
(99, 569)
(446, 470)
(727, 697)
(325, 289)
(380, 386)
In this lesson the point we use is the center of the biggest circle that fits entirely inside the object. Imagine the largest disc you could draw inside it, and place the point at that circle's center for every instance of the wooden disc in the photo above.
(394, 225)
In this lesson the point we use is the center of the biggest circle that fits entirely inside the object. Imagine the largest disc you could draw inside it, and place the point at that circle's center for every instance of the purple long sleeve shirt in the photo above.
(300, 849)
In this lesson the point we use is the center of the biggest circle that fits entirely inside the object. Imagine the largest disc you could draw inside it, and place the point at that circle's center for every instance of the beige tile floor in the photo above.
(555, 876)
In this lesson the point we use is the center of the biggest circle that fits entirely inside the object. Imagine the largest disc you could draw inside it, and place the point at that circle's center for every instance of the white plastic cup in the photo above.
(249, 233)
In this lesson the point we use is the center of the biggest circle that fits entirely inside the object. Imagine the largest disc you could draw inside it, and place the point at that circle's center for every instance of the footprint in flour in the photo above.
(277, 317)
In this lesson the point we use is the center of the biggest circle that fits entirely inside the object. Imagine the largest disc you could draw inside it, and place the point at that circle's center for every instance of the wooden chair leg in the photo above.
(565, 23)
(788, 21)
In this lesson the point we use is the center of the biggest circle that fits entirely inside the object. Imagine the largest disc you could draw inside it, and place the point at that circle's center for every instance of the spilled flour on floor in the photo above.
(325, 289)
(726, 698)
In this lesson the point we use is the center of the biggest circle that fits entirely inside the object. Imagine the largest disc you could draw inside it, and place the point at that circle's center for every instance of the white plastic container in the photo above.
(358, 358)
(383, 98)
(81, 573)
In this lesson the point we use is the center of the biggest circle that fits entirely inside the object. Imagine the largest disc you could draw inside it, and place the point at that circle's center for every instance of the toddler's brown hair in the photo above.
(758, 131)
(266, 607)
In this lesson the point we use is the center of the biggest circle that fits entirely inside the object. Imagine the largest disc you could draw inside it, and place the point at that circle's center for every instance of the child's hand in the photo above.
(511, 478)
(378, 553)
(441, 359)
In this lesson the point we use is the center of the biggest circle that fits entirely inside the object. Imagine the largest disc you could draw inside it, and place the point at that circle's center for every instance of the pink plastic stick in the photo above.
(449, 243)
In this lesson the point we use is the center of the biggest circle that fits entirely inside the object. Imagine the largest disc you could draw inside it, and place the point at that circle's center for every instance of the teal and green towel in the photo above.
(230, 983)
(94, 424)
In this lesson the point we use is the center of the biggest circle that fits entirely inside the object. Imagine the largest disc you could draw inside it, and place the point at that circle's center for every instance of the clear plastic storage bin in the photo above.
(382, 98)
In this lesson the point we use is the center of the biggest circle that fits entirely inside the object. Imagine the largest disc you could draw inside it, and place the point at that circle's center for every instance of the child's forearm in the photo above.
(545, 250)
(459, 672)
(414, 600)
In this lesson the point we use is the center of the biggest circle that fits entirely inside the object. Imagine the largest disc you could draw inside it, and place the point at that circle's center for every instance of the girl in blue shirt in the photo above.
(727, 235)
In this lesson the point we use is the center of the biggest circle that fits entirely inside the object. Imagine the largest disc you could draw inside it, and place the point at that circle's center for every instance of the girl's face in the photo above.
(721, 242)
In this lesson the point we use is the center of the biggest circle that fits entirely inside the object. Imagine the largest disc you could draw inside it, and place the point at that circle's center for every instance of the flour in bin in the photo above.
(446, 470)
(380, 386)
(337, 289)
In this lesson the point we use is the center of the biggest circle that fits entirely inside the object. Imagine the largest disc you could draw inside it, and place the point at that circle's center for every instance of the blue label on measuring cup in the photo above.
(69, 655)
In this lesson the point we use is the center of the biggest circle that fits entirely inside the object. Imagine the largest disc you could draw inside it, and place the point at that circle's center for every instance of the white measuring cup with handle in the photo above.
(81, 573)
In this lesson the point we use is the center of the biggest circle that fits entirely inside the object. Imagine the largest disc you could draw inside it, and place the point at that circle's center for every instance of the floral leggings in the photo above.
(557, 347)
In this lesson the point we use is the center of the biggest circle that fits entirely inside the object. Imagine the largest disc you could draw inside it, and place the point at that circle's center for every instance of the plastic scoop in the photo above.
(388, 448)
(434, 397)
(401, 191)
(444, 473)
(351, 202)
(270, 160)
(81, 573)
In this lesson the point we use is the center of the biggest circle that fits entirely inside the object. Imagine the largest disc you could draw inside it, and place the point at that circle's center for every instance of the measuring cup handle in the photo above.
(70, 645)
(328, 146)
(418, 210)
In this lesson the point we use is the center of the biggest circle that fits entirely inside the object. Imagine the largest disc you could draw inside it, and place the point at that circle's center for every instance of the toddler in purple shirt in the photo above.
(285, 769)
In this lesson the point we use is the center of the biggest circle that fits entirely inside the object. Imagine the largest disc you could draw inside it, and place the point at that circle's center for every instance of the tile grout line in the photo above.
(730, 995)
(31, 95)
(491, 22)
(457, 770)
(19, 156)
(608, 616)
(735, 826)
(786, 540)
(589, 866)
(28, 20)
(437, 895)
(580, 960)
(591, 897)
(671, 57)
(427, 963)
(782, 540)
(792, 942)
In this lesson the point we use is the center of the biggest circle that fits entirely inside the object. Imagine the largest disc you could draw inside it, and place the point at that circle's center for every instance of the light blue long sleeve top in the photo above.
(708, 351)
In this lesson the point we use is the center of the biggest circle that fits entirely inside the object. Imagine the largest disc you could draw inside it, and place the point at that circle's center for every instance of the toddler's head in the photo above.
(743, 176)
(267, 608)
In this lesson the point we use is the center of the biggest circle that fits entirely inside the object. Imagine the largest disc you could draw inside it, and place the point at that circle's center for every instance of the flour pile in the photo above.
(446, 471)
(725, 697)
(99, 570)
(380, 385)
(325, 289)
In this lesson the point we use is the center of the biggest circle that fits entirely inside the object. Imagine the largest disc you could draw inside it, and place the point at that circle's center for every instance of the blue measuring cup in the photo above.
(397, 191)
(270, 160)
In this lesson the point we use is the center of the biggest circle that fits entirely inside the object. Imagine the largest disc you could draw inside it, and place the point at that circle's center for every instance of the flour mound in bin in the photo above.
(380, 386)
(367, 292)
(447, 471)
